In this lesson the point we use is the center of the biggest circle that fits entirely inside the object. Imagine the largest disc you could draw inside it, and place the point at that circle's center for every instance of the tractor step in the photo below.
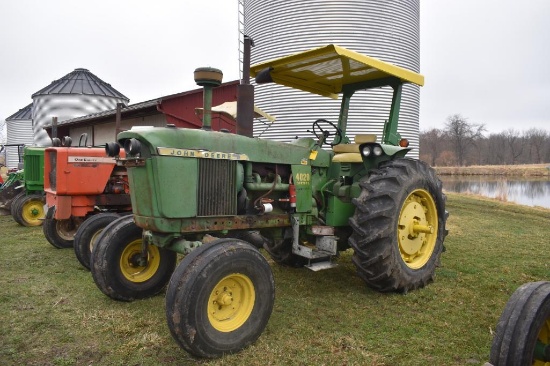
(318, 266)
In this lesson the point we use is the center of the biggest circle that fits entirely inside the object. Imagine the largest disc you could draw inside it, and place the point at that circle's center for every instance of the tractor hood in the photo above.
(328, 70)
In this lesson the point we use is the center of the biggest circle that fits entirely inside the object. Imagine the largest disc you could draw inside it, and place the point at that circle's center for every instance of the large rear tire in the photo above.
(522, 335)
(398, 226)
(28, 210)
(118, 268)
(220, 298)
(60, 233)
(88, 234)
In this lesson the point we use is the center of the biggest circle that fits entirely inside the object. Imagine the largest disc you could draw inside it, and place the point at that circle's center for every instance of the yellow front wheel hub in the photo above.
(231, 302)
(33, 212)
(134, 266)
(417, 228)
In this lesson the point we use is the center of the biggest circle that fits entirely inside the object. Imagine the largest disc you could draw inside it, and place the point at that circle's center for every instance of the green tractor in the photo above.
(23, 192)
(216, 197)
(27, 208)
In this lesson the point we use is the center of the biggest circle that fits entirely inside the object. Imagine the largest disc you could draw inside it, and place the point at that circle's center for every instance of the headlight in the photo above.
(377, 150)
(366, 151)
(132, 147)
(112, 149)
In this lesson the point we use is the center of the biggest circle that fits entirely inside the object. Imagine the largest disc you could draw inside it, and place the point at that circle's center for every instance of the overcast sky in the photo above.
(486, 60)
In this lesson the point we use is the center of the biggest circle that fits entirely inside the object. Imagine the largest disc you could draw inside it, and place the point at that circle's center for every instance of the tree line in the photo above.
(461, 143)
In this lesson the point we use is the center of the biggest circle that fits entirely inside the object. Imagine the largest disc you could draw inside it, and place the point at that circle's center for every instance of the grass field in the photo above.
(51, 312)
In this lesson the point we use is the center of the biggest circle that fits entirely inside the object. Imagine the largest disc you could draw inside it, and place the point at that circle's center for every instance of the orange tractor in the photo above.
(84, 192)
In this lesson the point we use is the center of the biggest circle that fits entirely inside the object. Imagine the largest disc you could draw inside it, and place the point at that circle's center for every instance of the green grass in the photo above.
(51, 312)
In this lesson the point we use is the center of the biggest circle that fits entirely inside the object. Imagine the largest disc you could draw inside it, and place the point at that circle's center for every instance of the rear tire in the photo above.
(220, 298)
(28, 210)
(399, 203)
(115, 264)
(524, 324)
(88, 234)
(60, 233)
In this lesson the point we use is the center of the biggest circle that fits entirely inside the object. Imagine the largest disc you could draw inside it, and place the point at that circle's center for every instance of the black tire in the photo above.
(60, 233)
(195, 317)
(280, 251)
(13, 206)
(28, 210)
(89, 233)
(114, 265)
(388, 254)
(524, 323)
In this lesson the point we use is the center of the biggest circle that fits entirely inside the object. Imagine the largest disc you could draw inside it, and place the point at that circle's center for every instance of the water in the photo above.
(529, 191)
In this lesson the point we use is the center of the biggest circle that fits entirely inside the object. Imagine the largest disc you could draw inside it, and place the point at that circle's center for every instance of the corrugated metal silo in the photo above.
(76, 94)
(385, 29)
(19, 131)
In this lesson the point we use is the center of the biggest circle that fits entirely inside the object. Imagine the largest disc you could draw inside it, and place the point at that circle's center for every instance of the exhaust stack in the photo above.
(245, 95)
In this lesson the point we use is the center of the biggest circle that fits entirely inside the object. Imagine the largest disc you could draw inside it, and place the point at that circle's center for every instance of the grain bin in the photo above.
(19, 132)
(76, 94)
(385, 29)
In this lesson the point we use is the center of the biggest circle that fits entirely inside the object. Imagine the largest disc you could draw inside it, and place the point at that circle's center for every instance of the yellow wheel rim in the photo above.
(33, 212)
(94, 239)
(231, 302)
(544, 338)
(417, 228)
(131, 265)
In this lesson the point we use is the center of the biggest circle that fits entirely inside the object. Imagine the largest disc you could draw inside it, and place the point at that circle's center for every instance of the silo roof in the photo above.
(23, 113)
(81, 81)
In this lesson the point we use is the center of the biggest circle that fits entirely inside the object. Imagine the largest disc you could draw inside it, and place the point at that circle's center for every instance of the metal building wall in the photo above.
(65, 106)
(19, 131)
(105, 132)
(385, 29)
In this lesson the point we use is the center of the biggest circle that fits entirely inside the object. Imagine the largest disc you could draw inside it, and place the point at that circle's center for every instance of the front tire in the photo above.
(88, 234)
(118, 269)
(522, 335)
(28, 210)
(398, 226)
(60, 233)
(220, 298)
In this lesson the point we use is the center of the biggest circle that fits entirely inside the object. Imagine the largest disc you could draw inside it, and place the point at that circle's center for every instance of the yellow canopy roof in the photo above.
(325, 70)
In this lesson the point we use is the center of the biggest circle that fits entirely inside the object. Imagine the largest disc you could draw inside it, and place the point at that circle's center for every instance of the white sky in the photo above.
(488, 60)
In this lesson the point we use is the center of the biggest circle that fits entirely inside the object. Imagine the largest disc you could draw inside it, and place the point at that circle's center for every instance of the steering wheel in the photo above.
(323, 135)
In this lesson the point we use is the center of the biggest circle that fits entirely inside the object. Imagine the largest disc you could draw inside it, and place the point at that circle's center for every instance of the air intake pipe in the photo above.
(208, 78)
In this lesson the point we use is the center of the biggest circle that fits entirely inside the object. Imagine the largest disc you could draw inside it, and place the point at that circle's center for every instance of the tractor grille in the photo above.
(217, 193)
(52, 155)
(33, 169)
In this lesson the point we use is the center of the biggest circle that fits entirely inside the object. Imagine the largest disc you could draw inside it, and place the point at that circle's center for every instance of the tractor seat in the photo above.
(349, 153)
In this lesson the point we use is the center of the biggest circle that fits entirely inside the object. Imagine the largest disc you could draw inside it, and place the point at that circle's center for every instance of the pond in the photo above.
(528, 191)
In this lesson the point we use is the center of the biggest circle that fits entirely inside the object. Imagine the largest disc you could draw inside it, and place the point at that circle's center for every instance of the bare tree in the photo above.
(2, 133)
(431, 144)
(537, 138)
(514, 144)
(462, 135)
